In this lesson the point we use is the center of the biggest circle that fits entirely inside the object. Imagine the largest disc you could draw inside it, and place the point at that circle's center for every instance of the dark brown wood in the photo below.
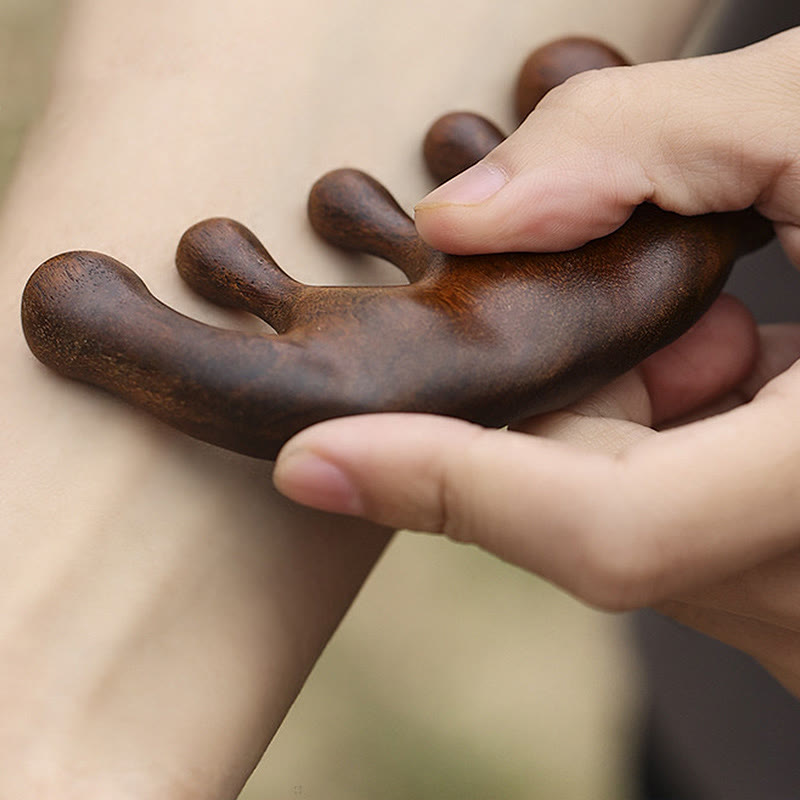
(553, 63)
(491, 339)
(457, 141)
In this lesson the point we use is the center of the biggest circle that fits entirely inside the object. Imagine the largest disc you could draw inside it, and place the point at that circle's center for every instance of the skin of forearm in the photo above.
(161, 605)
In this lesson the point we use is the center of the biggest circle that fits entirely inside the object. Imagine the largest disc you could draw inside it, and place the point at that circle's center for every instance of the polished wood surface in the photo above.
(552, 63)
(492, 338)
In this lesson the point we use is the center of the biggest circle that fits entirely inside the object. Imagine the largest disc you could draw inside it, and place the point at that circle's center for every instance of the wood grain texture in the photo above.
(456, 141)
(492, 338)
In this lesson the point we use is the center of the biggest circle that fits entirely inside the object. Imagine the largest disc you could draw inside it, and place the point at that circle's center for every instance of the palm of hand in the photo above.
(734, 574)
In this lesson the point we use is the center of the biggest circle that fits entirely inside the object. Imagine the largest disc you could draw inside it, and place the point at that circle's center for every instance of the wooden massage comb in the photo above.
(490, 338)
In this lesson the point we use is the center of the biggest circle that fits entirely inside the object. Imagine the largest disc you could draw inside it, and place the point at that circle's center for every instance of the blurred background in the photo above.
(28, 32)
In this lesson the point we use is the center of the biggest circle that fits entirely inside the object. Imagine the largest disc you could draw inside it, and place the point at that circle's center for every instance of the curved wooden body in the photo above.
(488, 338)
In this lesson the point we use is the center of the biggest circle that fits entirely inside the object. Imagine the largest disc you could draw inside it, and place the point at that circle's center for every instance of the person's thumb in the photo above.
(715, 133)
(502, 490)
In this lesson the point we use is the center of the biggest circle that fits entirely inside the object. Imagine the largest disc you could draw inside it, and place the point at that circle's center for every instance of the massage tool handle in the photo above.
(489, 338)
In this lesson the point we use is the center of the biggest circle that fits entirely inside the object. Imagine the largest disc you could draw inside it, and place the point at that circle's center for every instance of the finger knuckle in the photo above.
(460, 478)
(619, 569)
(587, 93)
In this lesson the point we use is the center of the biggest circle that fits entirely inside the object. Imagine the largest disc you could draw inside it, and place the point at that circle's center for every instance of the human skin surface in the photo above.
(674, 486)
(161, 604)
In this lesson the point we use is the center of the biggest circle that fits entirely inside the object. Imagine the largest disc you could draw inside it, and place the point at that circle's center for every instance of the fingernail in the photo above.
(310, 480)
(470, 188)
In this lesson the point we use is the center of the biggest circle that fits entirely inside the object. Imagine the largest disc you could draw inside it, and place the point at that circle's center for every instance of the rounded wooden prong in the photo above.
(492, 338)
(92, 319)
(224, 262)
(458, 140)
(350, 209)
(551, 64)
